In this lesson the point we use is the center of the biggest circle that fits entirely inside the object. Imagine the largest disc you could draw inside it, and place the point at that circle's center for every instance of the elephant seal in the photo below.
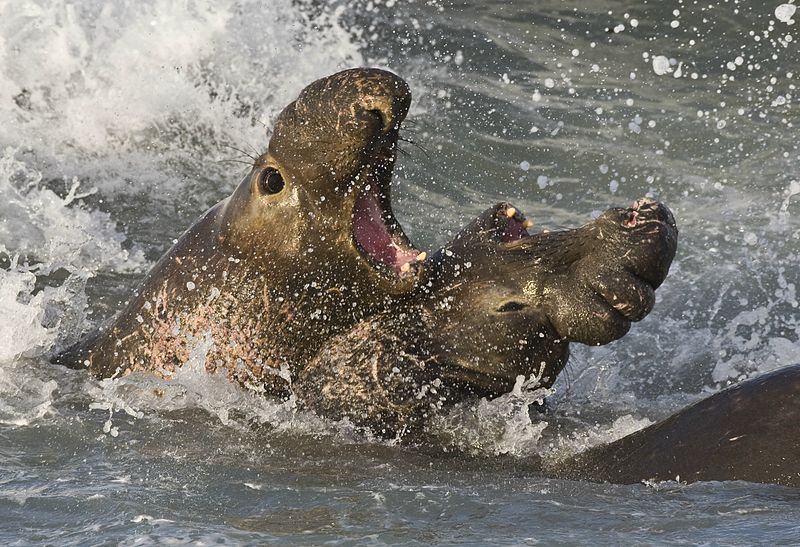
(499, 304)
(305, 247)
(748, 432)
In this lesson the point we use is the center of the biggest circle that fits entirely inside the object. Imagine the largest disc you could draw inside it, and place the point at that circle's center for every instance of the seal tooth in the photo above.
(405, 268)
(510, 212)
(527, 224)
(421, 256)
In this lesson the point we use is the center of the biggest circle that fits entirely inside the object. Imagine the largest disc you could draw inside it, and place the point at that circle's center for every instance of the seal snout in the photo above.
(390, 109)
(647, 210)
(378, 94)
(385, 94)
(345, 127)
(649, 242)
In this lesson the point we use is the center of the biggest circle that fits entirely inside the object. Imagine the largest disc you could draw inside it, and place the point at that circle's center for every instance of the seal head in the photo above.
(522, 297)
(324, 184)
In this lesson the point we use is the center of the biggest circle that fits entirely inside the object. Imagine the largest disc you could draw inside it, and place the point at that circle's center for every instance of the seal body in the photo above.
(305, 247)
(748, 432)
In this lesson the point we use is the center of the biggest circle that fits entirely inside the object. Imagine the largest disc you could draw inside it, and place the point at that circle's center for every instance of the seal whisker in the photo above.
(264, 125)
(415, 144)
(231, 160)
(240, 151)
(254, 149)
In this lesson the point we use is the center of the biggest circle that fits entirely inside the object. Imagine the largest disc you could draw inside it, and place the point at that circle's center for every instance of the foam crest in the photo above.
(57, 232)
(497, 426)
(89, 79)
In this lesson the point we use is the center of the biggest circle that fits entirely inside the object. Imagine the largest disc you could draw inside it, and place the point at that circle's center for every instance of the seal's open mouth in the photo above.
(379, 237)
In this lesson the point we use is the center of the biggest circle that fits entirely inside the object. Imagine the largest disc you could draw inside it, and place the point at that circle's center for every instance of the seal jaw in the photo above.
(379, 238)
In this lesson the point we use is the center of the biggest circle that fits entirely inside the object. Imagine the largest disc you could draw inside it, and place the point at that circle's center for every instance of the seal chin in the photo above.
(379, 238)
(482, 383)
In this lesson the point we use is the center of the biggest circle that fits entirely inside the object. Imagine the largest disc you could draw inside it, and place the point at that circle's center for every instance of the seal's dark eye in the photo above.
(271, 181)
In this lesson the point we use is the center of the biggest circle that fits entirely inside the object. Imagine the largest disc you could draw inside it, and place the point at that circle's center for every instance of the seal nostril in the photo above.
(512, 306)
(383, 117)
(630, 219)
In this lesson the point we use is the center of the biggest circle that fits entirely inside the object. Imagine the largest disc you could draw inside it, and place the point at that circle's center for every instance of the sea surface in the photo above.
(121, 121)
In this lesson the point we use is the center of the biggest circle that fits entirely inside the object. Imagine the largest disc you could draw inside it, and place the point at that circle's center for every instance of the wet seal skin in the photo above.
(499, 304)
(305, 247)
(748, 432)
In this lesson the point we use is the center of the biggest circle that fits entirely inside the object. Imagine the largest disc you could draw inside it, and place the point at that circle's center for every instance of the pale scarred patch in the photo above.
(238, 348)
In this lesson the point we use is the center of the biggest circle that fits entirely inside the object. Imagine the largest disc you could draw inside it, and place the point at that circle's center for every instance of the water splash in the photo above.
(497, 426)
(193, 387)
(98, 88)
(53, 232)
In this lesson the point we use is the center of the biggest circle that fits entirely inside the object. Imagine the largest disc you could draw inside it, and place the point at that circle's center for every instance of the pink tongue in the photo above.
(371, 233)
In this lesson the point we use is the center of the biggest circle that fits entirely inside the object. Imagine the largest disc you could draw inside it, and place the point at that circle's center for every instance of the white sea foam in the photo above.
(41, 233)
(498, 426)
(563, 446)
(30, 321)
(97, 87)
(661, 65)
(785, 12)
(21, 331)
(23, 397)
(56, 232)
(192, 386)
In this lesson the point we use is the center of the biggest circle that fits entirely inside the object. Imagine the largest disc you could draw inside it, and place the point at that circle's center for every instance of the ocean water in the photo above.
(121, 121)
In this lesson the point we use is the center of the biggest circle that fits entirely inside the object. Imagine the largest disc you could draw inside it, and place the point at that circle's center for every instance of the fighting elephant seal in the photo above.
(306, 246)
(500, 303)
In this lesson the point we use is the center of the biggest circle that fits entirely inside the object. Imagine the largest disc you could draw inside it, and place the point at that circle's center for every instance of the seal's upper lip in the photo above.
(379, 237)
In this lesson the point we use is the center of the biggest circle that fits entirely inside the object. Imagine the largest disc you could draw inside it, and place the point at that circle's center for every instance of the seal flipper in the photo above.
(78, 355)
